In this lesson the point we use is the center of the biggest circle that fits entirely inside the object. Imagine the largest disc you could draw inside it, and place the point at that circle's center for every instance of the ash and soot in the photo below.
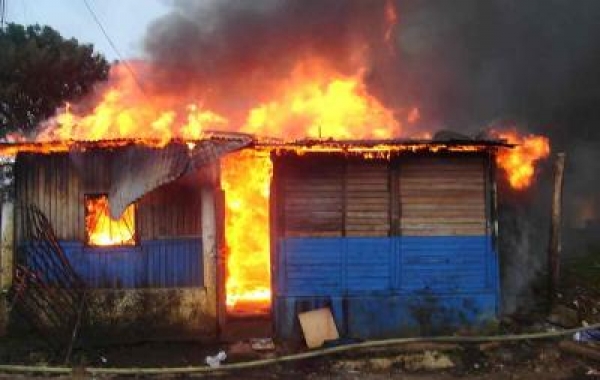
(524, 72)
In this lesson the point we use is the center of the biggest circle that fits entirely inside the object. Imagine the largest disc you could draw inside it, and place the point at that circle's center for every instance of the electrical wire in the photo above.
(113, 46)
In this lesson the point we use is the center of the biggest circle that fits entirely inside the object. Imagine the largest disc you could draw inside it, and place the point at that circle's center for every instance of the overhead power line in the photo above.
(112, 45)
(2, 12)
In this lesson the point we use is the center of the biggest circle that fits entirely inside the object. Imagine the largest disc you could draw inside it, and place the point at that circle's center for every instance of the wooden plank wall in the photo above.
(333, 197)
(442, 196)
(311, 193)
(411, 196)
(57, 184)
(367, 199)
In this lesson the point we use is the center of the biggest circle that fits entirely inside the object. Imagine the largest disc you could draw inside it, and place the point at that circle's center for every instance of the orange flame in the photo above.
(246, 177)
(124, 110)
(519, 162)
(102, 230)
(318, 102)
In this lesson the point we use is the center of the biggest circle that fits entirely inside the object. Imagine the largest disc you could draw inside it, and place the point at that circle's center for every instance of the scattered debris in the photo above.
(318, 326)
(351, 366)
(215, 361)
(564, 317)
(262, 344)
(587, 336)
(488, 346)
(582, 349)
(240, 348)
(429, 360)
(593, 372)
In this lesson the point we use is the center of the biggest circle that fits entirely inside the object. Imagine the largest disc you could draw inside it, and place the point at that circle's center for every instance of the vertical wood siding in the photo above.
(312, 197)
(367, 206)
(442, 196)
(333, 197)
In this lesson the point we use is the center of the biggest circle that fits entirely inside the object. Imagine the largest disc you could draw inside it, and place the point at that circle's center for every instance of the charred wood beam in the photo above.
(554, 247)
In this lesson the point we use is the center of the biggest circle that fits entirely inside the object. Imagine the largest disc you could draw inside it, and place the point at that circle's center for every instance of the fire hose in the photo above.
(58, 370)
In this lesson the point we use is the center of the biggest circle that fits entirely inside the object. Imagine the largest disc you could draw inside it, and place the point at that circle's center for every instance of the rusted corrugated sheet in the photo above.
(57, 183)
(137, 170)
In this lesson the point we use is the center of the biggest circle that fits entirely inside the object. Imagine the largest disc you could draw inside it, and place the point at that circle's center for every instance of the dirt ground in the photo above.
(522, 360)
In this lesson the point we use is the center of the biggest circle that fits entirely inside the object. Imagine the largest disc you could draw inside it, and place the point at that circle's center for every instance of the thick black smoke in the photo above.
(237, 49)
(466, 64)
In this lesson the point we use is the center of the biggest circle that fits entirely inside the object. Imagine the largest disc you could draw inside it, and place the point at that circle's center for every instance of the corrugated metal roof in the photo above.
(137, 170)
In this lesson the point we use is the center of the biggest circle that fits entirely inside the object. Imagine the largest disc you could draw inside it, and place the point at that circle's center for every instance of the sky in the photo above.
(125, 21)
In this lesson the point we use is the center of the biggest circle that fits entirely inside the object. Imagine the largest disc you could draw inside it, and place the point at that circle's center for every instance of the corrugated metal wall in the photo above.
(406, 238)
(168, 221)
(165, 263)
(57, 184)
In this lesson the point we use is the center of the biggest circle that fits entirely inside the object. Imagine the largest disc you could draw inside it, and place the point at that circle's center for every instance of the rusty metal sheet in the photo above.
(137, 170)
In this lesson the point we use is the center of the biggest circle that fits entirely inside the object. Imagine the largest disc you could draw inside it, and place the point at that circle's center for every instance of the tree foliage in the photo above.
(39, 71)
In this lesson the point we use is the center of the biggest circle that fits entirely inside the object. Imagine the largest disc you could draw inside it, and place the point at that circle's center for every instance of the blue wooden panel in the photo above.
(369, 265)
(380, 287)
(152, 264)
(445, 263)
(403, 315)
(311, 266)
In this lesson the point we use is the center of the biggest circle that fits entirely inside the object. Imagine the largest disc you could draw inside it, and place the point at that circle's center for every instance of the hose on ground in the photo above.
(300, 356)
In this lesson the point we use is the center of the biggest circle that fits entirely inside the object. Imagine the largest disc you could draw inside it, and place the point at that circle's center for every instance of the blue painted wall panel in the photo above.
(368, 265)
(381, 287)
(311, 267)
(153, 264)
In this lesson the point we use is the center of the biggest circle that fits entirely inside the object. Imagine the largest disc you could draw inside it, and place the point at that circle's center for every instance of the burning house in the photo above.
(394, 236)
(178, 230)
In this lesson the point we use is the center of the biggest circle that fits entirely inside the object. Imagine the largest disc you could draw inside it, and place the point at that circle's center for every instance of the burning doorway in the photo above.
(246, 180)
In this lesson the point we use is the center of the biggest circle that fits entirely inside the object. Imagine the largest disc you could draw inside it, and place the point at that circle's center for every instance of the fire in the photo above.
(246, 178)
(124, 110)
(519, 162)
(316, 101)
(102, 230)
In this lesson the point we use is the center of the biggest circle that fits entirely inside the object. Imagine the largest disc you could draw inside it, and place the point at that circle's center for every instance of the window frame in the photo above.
(136, 235)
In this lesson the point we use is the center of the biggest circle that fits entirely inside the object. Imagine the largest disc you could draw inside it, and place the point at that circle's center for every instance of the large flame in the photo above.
(102, 230)
(126, 110)
(246, 178)
(315, 101)
(519, 162)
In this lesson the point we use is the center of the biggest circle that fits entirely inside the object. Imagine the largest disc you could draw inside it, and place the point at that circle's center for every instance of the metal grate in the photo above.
(46, 291)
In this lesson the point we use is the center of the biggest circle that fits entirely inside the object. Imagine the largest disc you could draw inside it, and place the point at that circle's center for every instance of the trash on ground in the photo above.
(318, 326)
(564, 317)
(262, 344)
(592, 335)
(215, 361)
(429, 360)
